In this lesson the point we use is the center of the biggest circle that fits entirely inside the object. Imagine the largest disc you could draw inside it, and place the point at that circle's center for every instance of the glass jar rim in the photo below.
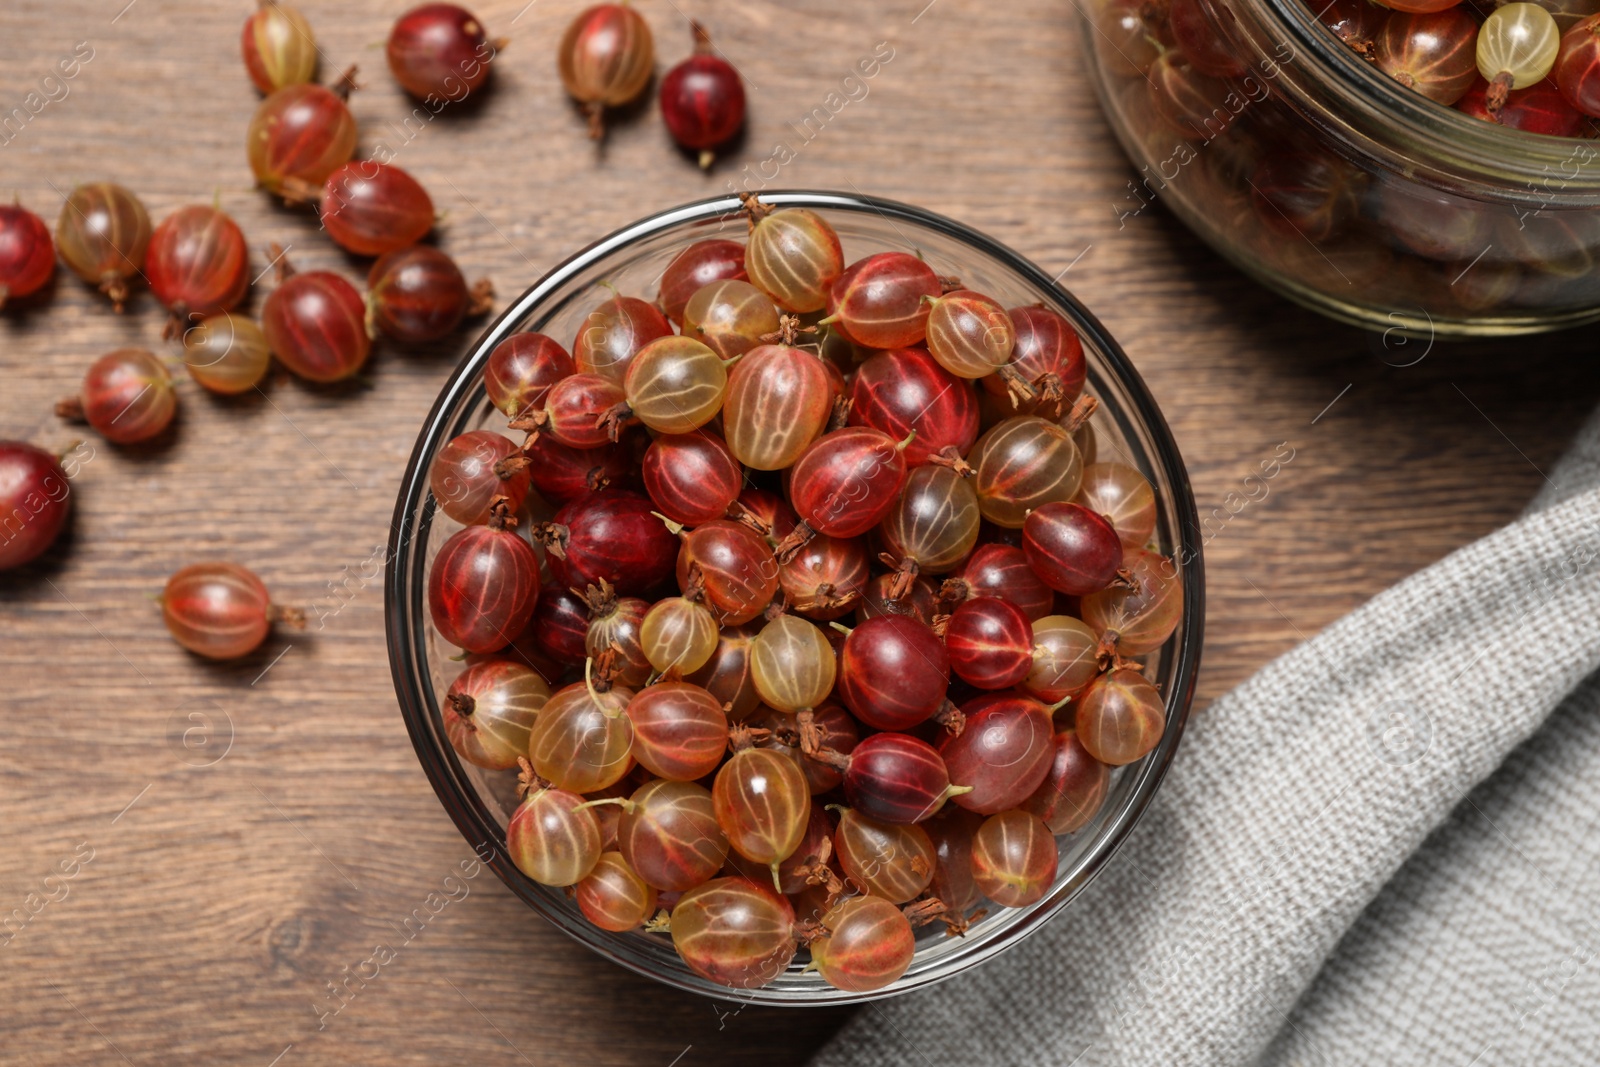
(1468, 150)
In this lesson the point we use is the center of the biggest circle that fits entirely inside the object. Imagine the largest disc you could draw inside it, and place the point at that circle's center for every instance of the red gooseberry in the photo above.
(734, 932)
(1014, 858)
(844, 484)
(484, 583)
(905, 390)
(1003, 752)
(778, 401)
(298, 137)
(668, 833)
(562, 473)
(552, 837)
(27, 255)
(893, 672)
(762, 803)
(226, 353)
(1577, 70)
(793, 255)
(35, 499)
(702, 100)
(613, 897)
(1074, 550)
(1140, 616)
(474, 468)
(316, 325)
(489, 710)
(882, 301)
(220, 610)
(736, 565)
(893, 778)
(370, 208)
(1047, 358)
(894, 861)
(869, 945)
(574, 411)
(1075, 789)
(613, 333)
(1001, 570)
(1123, 496)
(418, 294)
(696, 267)
(693, 477)
(612, 536)
(825, 578)
(197, 264)
(990, 643)
(521, 370)
(439, 52)
(680, 731)
(127, 397)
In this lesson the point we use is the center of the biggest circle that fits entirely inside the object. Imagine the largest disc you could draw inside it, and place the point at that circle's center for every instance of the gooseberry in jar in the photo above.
(577, 411)
(951, 833)
(372, 208)
(678, 635)
(1140, 618)
(560, 624)
(893, 778)
(1540, 108)
(522, 369)
(220, 610)
(484, 583)
(730, 317)
(736, 565)
(1074, 550)
(990, 643)
(905, 390)
(562, 473)
(583, 739)
(1023, 463)
(1075, 789)
(418, 294)
(692, 478)
(1003, 753)
(762, 803)
(127, 397)
(889, 860)
(668, 833)
(792, 664)
(727, 676)
(226, 353)
(675, 385)
(970, 334)
(472, 469)
(919, 602)
(826, 727)
(697, 266)
(613, 334)
(883, 301)
(1517, 45)
(613, 897)
(439, 52)
(1047, 369)
(1306, 195)
(793, 255)
(1431, 53)
(1065, 658)
(702, 99)
(605, 58)
(932, 528)
(1123, 496)
(103, 233)
(778, 401)
(611, 535)
(27, 255)
(1120, 717)
(1355, 22)
(489, 710)
(893, 672)
(825, 578)
(552, 838)
(1000, 570)
(845, 483)
(869, 944)
(1577, 69)
(298, 137)
(315, 323)
(734, 932)
(679, 730)
(197, 263)
(616, 623)
(1188, 103)
(34, 495)
(1014, 858)
(278, 47)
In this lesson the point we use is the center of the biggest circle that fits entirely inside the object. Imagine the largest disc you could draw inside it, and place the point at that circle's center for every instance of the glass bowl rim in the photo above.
(403, 588)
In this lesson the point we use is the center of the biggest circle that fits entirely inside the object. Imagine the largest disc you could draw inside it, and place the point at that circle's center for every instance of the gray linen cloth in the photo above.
(1384, 848)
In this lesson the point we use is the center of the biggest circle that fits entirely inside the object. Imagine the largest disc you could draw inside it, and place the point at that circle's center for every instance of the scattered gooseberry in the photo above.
(220, 610)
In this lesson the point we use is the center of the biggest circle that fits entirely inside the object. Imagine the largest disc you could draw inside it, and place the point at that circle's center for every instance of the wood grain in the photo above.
(221, 899)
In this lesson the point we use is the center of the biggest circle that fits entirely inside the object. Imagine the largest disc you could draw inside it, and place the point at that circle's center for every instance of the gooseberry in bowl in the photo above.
(778, 583)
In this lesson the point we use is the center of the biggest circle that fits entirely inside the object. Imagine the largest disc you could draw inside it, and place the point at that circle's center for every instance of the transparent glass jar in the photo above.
(1128, 427)
(1324, 178)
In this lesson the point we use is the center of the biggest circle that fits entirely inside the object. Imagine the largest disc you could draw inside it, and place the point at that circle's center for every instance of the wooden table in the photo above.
(256, 829)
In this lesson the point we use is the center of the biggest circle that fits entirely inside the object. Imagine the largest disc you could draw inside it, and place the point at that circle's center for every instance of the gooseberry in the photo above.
(103, 233)
(490, 709)
(1138, 618)
(734, 932)
(883, 301)
(893, 777)
(552, 837)
(521, 370)
(825, 578)
(612, 536)
(298, 137)
(1000, 570)
(613, 897)
(761, 802)
(905, 390)
(668, 833)
(868, 945)
(27, 255)
(34, 502)
(220, 610)
(702, 100)
(793, 255)
(315, 323)
(680, 731)
(582, 739)
(970, 334)
(893, 672)
(1023, 463)
(1123, 496)
(371, 208)
(439, 52)
(613, 334)
(127, 396)
(226, 353)
(605, 58)
(1014, 858)
(990, 643)
(932, 528)
(418, 294)
(474, 468)
(1074, 550)
(778, 401)
(278, 46)
(1517, 45)
(735, 563)
(792, 664)
(484, 583)
(1075, 789)
(1120, 717)
(730, 317)
(894, 861)
(697, 266)
(1003, 752)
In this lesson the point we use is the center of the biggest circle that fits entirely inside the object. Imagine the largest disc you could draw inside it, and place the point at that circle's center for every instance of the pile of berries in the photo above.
(790, 558)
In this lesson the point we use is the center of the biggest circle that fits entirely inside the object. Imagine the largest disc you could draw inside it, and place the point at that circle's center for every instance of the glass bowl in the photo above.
(1128, 425)
(1326, 179)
